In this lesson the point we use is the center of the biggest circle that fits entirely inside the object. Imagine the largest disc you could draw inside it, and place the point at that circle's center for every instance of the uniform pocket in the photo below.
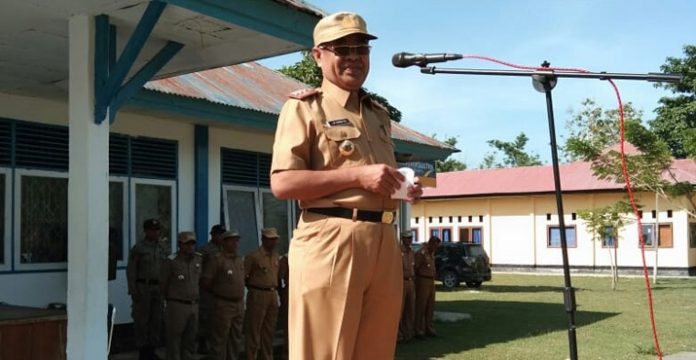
(344, 144)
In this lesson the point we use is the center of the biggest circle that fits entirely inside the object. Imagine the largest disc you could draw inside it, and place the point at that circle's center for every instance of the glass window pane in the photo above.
(446, 235)
(116, 218)
(476, 236)
(435, 232)
(648, 234)
(44, 220)
(692, 235)
(2, 219)
(555, 236)
(414, 233)
(275, 214)
(241, 209)
(153, 202)
(608, 240)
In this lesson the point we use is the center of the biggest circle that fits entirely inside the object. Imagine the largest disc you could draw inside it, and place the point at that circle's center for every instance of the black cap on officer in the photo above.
(217, 229)
(152, 224)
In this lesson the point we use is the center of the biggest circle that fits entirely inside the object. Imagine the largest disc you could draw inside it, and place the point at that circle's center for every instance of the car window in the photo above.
(476, 251)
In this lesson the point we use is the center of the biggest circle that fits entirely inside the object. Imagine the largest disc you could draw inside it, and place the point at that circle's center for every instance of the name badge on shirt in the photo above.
(340, 122)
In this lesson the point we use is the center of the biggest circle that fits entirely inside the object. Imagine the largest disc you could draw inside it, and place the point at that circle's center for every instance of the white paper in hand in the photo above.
(402, 192)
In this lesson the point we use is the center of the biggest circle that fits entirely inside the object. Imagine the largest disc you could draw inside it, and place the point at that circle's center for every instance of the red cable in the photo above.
(624, 168)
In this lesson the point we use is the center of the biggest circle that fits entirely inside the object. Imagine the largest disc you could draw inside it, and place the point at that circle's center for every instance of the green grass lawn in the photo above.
(522, 317)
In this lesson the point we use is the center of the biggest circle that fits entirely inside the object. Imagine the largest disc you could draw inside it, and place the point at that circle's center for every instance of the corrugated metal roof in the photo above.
(304, 6)
(576, 176)
(255, 87)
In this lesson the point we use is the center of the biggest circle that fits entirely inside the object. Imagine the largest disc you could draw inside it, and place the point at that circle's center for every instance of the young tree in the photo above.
(675, 123)
(649, 169)
(607, 222)
(514, 153)
(307, 71)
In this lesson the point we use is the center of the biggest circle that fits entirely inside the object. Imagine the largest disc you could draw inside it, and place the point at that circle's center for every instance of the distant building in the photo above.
(512, 213)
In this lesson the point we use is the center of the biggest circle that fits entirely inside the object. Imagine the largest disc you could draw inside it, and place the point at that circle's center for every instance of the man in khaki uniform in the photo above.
(223, 276)
(143, 273)
(261, 267)
(180, 281)
(283, 288)
(425, 288)
(212, 248)
(408, 307)
(334, 153)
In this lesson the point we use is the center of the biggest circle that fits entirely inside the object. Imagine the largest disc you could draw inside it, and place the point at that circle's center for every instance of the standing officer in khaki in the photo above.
(223, 277)
(143, 273)
(212, 248)
(180, 281)
(425, 288)
(261, 269)
(408, 307)
(333, 152)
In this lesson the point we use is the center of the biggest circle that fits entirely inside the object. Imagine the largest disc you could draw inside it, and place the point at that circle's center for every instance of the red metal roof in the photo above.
(255, 87)
(576, 176)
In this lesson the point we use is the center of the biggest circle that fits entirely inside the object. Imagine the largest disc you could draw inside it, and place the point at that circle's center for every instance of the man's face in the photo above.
(216, 237)
(406, 240)
(187, 248)
(269, 243)
(230, 244)
(433, 245)
(344, 62)
(152, 233)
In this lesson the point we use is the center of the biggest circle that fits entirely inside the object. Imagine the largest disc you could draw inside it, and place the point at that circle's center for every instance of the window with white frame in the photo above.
(275, 213)
(692, 235)
(117, 218)
(444, 233)
(41, 218)
(154, 199)
(554, 236)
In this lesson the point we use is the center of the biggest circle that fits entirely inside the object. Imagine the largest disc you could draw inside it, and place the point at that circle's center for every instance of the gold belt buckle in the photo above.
(387, 217)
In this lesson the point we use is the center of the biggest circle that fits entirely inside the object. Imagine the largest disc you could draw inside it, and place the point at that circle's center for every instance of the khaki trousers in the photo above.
(260, 323)
(408, 311)
(182, 324)
(205, 309)
(226, 330)
(147, 315)
(425, 305)
(345, 294)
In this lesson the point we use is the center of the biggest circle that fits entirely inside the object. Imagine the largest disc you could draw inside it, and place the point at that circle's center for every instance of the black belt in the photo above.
(384, 217)
(227, 298)
(187, 302)
(426, 277)
(148, 282)
(261, 288)
(408, 278)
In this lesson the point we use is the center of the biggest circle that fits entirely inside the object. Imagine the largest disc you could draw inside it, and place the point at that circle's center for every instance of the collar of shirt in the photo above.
(341, 96)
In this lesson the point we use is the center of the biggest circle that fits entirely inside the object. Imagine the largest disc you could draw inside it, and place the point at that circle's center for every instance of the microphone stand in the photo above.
(544, 81)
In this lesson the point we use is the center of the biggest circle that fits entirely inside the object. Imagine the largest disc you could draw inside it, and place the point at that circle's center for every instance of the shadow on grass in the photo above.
(493, 322)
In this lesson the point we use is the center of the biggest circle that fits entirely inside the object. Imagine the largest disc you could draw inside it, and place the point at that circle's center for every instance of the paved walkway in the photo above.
(681, 356)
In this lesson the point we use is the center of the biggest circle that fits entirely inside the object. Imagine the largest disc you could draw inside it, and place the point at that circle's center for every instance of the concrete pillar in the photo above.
(88, 202)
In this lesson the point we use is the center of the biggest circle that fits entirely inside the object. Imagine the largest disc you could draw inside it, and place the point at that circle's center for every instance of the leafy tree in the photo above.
(605, 221)
(646, 168)
(449, 164)
(307, 71)
(675, 123)
(514, 154)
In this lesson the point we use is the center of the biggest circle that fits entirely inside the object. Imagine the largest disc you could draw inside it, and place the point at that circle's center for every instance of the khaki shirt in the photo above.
(424, 264)
(226, 274)
(407, 258)
(262, 268)
(313, 126)
(209, 251)
(144, 262)
(181, 276)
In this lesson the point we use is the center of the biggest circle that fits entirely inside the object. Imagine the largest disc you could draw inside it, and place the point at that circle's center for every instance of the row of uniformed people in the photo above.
(419, 289)
(156, 281)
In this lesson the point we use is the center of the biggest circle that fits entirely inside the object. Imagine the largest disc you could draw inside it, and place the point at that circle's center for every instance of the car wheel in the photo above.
(473, 284)
(450, 279)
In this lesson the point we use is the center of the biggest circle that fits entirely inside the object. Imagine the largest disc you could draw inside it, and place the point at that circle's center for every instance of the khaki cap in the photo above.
(269, 233)
(406, 234)
(186, 237)
(338, 25)
(230, 234)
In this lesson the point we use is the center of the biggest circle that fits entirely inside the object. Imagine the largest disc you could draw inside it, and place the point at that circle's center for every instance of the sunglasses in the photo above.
(345, 50)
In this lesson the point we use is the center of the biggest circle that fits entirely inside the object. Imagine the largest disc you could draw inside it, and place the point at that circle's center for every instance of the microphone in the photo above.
(404, 59)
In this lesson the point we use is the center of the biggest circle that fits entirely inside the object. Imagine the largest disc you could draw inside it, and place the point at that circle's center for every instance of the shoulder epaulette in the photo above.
(379, 105)
(304, 93)
(197, 253)
(172, 256)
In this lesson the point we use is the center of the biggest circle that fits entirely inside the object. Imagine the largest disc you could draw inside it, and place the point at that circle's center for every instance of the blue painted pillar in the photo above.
(201, 184)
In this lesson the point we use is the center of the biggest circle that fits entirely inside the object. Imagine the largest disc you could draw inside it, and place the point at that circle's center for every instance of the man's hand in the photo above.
(415, 191)
(379, 178)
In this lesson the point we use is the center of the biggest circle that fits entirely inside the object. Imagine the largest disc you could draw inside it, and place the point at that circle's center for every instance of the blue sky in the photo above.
(613, 36)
